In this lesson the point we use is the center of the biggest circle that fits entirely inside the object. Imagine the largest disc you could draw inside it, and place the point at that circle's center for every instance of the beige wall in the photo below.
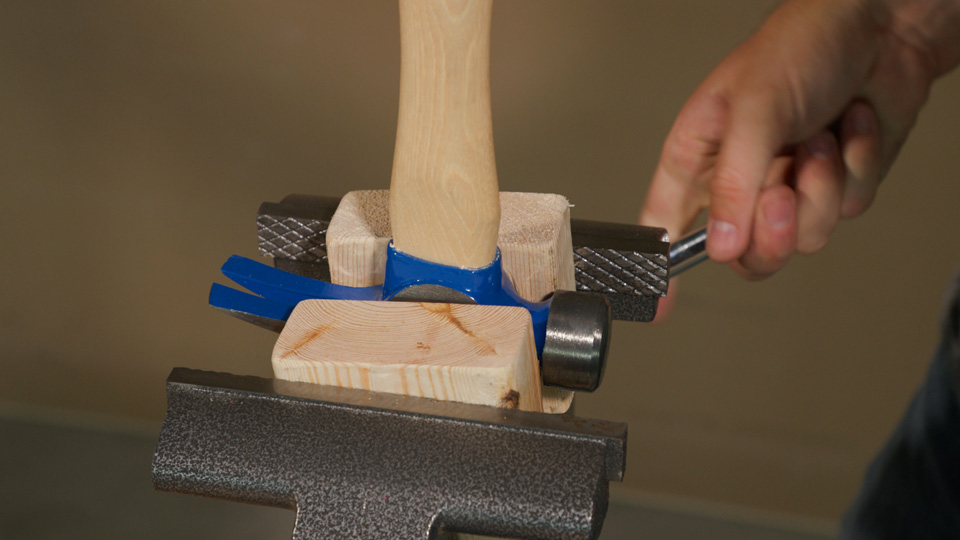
(137, 140)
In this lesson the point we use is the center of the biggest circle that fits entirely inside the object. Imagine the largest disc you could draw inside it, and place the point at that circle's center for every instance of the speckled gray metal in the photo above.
(361, 465)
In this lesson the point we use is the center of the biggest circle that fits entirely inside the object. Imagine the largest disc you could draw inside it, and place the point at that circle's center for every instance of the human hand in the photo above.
(796, 128)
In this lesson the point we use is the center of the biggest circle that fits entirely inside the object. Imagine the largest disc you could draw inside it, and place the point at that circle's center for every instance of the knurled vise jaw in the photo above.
(621, 272)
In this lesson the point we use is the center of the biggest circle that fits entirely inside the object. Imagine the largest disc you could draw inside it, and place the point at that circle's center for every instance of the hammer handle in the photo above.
(444, 198)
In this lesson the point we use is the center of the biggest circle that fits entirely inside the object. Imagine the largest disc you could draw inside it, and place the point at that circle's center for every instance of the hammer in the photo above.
(360, 464)
(444, 213)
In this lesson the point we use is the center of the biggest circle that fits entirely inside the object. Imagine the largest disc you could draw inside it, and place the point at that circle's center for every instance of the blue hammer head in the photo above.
(571, 329)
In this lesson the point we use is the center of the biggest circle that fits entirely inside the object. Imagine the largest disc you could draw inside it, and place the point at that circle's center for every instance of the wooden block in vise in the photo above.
(534, 240)
(483, 355)
(536, 249)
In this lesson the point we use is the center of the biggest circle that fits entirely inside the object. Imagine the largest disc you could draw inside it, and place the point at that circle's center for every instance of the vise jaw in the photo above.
(426, 468)
(627, 264)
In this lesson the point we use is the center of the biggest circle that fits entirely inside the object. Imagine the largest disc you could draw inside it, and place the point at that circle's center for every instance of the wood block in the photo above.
(483, 355)
(535, 243)
(357, 238)
(534, 239)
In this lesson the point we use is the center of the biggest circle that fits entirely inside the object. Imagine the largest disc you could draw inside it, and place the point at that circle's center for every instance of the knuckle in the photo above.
(854, 206)
(728, 187)
(810, 244)
(681, 159)
(753, 275)
(779, 254)
(694, 141)
(760, 264)
(814, 236)
(688, 156)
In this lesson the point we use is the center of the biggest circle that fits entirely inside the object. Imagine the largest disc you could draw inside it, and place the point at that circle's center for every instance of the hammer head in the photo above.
(425, 467)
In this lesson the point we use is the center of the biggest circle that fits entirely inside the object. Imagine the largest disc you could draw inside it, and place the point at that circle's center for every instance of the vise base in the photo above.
(363, 465)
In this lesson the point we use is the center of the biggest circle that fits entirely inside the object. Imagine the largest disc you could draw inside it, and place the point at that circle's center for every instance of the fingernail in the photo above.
(778, 213)
(721, 236)
(821, 145)
(861, 119)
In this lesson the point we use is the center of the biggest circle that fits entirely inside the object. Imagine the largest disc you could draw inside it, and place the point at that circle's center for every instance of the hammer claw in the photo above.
(286, 287)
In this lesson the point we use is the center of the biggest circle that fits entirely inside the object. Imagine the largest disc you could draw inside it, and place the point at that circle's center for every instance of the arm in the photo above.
(796, 128)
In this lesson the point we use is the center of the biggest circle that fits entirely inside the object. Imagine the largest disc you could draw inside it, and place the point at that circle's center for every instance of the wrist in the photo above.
(930, 27)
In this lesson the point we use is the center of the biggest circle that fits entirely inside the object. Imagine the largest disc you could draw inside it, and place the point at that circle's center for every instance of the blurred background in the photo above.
(137, 140)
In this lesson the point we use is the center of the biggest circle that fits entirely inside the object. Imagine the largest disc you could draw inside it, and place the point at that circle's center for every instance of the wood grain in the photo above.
(357, 238)
(533, 237)
(535, 243)
(444, 201)
(483, 355)
(535, 247)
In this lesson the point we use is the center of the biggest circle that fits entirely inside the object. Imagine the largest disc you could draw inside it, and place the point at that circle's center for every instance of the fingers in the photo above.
(765, 206)
(754, 136)
(665, 304)
(862, 158)
(803, 196)
(798, 208)
(819, 185)
(775, 96)
(678, 192)
(874, 127)
(774, 234)
(672, 203)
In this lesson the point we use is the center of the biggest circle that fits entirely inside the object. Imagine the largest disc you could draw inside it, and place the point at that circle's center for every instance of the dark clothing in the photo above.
(912, 488)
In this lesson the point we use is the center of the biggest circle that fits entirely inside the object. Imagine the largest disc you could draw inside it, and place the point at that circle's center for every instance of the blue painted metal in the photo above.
(286, 287)
(489, 286)
(233, 300)
(276, 292)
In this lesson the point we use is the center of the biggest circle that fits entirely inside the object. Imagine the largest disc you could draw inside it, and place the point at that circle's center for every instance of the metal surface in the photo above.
(628, 264)
(688, 252)
(295, 230)
(578, 338)
(361, 465)
(274, 293)
(267, 323)
(432, 293)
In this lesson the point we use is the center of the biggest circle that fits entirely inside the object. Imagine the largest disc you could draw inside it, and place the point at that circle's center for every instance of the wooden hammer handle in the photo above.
(444, 198)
